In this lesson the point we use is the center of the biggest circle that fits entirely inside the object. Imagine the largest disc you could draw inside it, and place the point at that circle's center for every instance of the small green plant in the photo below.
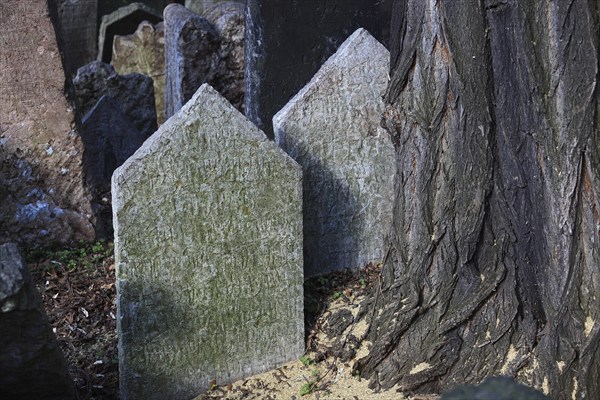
(306, 361)
(308, 388)
(337, 295)
(363, 283)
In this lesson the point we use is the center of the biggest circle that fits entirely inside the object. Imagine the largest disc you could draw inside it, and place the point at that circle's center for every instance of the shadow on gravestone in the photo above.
(331, 128)
(287, 41)
(208, 249)
(123, 21)
(31, 363)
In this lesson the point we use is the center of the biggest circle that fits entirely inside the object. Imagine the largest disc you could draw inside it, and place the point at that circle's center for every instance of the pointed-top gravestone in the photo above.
(331, 128)
(208, 248)
(287, 42)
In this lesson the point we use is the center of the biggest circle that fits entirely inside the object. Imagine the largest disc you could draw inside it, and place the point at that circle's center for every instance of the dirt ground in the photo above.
(78, 290)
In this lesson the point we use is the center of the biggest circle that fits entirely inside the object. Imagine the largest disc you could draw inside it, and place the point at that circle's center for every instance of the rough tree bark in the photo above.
(494, 261)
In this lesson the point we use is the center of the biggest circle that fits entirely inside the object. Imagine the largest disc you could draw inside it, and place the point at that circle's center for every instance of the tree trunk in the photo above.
(494, 261)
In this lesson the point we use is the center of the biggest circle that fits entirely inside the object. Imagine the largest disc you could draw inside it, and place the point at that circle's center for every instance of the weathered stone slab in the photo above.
(144, 52)
(123, 21)
(208, 248)
(31, 364)
(77, 27)
(109, 139)
(331, 128)
(133, 92)
(286, 43)
(42, 195)
(191, 55)
(228, 19)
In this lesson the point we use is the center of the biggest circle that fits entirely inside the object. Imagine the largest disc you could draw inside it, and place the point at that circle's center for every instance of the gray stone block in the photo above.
(331, 128)
(31, 363)
(208, 248)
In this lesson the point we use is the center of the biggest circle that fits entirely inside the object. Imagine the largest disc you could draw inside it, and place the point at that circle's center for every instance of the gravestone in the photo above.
(191, 55)
(228, 20)
(109, 139)
(331, 128)
(208, 248)
(133, 92)
(77, 28)
(42, 197)
(123, 21)
(144, 52)
(287, 41)
(31, 363)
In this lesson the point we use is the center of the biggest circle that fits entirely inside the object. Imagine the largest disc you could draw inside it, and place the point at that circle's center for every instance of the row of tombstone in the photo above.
(216, 226)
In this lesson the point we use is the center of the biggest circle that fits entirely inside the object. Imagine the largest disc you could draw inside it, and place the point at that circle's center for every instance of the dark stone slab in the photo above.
(133, 92)
(109, 139)
(77, 30)
(288, 40)
(191, 55)
(31, 364)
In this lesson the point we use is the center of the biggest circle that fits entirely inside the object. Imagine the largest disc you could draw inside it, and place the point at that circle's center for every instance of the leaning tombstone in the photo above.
(31, 363)
(191, 55)
(43, 200)
(331, 128)
(144, 52)
(123, 21)
(208, 248)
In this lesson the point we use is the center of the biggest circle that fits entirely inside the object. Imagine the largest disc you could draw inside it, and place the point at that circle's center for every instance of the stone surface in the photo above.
(191, 54)
(331, 128)
(199, 6)
(228, 19)
(31, 364)
(133, 92)
(495, 388)
(77, 27)
(144, 52)
(42, 196)
(109, 139)
(208, 248)
(287, 42)
(123, 21)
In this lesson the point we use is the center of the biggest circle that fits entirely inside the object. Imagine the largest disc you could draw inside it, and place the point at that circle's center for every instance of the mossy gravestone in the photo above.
(331, 127)
(208, 247)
